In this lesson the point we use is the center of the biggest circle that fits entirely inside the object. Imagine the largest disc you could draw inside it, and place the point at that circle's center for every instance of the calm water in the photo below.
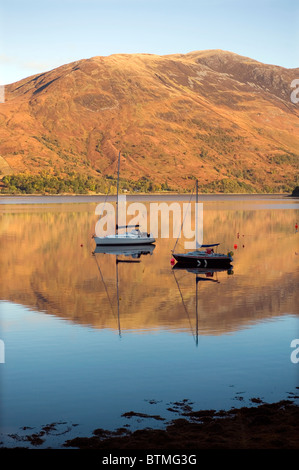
(88, 339)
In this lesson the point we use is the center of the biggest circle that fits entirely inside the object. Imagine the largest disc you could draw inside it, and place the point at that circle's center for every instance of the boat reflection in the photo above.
(201, 275)
(134, 251)
(132, 254)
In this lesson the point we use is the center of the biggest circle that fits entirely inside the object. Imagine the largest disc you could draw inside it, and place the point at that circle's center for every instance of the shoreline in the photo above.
(86, 198)
(267, 426)
(258, 426)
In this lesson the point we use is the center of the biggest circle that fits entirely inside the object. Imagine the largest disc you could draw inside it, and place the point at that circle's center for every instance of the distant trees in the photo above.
(51, 184)
(82, 184)
(74, 184)
(227, 185)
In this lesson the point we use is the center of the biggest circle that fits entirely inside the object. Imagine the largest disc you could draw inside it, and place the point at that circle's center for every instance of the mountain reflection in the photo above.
(49, 263)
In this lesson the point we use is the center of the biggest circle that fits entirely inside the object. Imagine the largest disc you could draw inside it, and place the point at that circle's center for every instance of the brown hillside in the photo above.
(213, 115)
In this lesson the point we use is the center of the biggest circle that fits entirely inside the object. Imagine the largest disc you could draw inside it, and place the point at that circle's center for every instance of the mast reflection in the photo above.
(201, 275)
(132, 254)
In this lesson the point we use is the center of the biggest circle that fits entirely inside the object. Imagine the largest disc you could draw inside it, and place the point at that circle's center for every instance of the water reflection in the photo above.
(47, 264)
(67, 303)
(122, 254)
(130, 251)
(201, 275)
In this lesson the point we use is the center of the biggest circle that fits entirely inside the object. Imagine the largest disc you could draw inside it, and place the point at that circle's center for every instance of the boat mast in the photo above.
(117, 193)
(182, 223)
(117, 293)
(196, 215)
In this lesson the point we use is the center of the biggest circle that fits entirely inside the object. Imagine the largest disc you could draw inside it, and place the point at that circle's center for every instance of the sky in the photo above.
(37, 36)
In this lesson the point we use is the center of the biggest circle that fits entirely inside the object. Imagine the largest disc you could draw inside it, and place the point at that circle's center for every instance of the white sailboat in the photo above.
(127, 238)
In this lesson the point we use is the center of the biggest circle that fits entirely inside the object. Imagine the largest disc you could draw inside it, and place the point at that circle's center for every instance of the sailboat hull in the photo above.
(203, 261)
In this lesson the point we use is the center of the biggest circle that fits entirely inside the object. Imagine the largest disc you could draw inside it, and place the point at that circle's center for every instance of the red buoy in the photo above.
(235, 246)
(172, 261)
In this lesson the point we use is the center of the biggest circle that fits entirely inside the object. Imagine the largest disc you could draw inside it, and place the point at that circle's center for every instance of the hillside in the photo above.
(222, 118)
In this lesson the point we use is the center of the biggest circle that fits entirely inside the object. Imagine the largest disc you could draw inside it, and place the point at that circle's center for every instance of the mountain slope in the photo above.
(213, 115)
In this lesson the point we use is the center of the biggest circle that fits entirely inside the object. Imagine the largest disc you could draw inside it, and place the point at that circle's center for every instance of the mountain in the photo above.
(225, 119)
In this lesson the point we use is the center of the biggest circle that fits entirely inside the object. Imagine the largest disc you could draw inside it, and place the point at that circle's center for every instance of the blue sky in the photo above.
(36, 36)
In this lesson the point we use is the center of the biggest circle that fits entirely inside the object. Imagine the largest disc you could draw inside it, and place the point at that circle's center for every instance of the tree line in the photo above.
(75, 184)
